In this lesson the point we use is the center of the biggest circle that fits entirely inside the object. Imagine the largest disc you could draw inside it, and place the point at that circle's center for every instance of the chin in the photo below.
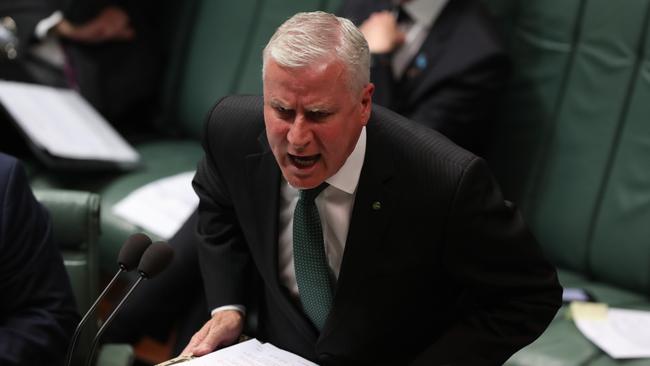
(303, 182)
(309, 180)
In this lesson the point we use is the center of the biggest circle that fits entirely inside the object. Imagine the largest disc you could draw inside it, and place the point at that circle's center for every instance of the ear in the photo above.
(366, 102)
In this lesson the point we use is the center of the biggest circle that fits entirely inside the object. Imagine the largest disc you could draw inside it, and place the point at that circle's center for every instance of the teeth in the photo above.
(304, 160)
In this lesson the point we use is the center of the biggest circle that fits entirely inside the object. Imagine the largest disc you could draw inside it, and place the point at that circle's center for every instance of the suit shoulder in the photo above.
(359, 10)
(7, 163)
(413, 143)
(16, 198)
(235, 122)
(476, 26)
(10, 171)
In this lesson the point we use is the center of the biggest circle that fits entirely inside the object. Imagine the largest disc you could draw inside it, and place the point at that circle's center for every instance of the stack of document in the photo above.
(620, 333)
(250, 353)
(160, 207)
(62, 123)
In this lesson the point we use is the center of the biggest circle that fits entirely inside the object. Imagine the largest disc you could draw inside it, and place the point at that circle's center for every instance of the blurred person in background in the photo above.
(437, 62)
(37, 312)
(108, 51)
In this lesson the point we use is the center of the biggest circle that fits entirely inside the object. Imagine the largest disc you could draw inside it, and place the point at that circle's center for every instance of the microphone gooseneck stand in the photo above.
(109, 319)
(86, 316)
(154, 260)
(130, 255)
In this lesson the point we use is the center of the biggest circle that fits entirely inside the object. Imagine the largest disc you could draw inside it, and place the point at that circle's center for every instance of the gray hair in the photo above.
(307, 38)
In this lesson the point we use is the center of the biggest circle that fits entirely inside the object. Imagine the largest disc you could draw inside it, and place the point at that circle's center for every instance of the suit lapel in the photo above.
(372, 209)
(263, 180)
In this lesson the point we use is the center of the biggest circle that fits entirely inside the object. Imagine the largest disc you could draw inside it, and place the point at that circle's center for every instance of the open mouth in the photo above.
(304, 161)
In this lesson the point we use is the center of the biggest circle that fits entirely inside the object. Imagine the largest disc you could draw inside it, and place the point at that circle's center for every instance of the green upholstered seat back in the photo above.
(75, 228)
(222, 55)
(572, 143)
(541, 37)
(621, 232)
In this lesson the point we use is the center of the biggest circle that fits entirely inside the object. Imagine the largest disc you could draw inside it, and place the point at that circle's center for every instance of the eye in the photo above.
(317, 115)
(283, 113)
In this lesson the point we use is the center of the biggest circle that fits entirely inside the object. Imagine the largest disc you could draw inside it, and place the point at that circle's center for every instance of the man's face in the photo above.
(313, 119)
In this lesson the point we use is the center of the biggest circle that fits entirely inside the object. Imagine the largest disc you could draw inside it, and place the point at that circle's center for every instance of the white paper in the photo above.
(63, 123)
(250, 353)
(160, 207)
(623, 334)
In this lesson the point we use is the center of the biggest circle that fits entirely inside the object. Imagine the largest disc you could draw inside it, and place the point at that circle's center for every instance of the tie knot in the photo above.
(310, 194)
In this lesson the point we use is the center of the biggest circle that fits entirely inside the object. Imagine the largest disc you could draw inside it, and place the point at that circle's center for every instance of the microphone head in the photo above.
(155, 259)
(132, 250)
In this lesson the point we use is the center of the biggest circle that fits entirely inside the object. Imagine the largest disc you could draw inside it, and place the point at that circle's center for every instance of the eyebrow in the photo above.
(319, 109)
(313, 109)
(276, 103)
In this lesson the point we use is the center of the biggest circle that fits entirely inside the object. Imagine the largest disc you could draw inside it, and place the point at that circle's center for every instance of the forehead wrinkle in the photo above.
(276, 88)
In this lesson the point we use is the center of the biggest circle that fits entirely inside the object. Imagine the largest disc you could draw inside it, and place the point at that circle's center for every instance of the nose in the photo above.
(299, 134)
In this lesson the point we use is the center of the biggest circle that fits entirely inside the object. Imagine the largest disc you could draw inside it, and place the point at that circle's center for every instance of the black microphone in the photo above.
(154, 260)
(127, 260)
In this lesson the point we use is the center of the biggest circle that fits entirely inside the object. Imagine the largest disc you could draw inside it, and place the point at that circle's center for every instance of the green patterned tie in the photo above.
(310, 261)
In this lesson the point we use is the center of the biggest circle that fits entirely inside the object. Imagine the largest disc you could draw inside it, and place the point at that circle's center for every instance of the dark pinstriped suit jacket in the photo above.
(443, 273)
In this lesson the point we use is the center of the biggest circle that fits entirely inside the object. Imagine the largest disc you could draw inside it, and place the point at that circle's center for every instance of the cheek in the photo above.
(331, 142)
(276, 131)
(339, 141)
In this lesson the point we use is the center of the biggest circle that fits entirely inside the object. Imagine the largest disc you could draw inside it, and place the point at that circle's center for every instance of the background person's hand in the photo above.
(223, 329)
(381, 32)
(111, 24)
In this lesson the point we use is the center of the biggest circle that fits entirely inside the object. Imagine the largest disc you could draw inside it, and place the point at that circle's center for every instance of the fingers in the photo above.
(381, 32)
(222, 330)
(197, 338)
(124, 34)
(112, 24)
(205, 341)
(400, 38)
(115, 24)
(100, 32)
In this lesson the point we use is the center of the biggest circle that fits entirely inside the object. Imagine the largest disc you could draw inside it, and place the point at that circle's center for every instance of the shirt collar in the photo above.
(347, 178)
(424, 11)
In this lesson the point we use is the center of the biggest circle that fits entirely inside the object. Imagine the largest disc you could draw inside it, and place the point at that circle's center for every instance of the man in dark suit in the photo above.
(437, 62)
(108, 50)
(37, 311)
(408, 254)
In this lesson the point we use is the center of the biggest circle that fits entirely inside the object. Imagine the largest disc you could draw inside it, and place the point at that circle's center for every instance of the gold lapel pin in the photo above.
(376, 205)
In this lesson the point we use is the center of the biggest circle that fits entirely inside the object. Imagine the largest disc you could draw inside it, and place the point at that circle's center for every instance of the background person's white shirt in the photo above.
(423, 13)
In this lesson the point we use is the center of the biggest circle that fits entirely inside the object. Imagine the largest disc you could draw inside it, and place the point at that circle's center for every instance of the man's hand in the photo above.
(381, 32)
(222, 330)
(111, 24)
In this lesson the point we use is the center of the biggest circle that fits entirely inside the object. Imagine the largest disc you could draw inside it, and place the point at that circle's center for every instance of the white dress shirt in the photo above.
(334, 205)
(48, 48)
(423, 13)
